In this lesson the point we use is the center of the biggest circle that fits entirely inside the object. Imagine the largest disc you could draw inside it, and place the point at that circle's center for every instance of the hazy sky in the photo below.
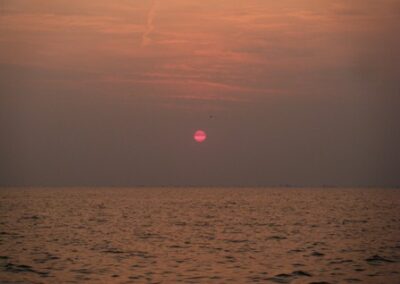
(96, 92)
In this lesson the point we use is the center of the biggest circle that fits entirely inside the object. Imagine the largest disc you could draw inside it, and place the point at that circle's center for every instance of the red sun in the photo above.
(200, 136)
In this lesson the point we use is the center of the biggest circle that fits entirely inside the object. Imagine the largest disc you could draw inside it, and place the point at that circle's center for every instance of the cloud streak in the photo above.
(150, 24)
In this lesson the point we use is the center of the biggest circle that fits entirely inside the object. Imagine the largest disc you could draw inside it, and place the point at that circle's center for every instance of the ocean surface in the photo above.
(199, 235)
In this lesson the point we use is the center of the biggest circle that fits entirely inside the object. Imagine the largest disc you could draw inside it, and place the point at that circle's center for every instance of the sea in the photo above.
(199, 235)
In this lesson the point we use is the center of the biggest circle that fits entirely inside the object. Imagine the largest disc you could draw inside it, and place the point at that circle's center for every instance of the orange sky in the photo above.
(333, 65)
(219, 50)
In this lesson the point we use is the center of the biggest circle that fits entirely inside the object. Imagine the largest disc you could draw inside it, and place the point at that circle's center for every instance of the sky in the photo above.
(110, 93)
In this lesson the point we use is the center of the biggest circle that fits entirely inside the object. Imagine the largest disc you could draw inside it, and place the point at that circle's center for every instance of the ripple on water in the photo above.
(287, 278)
(22, 268)
(205, 235)
(378, 260)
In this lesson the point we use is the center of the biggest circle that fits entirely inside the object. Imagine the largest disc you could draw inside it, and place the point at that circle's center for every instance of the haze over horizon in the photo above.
(110, 93)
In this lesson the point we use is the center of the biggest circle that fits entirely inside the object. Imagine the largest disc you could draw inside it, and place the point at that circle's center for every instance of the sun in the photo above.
(200, 136)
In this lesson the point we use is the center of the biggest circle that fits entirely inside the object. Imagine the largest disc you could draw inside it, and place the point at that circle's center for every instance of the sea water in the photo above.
(199, 235)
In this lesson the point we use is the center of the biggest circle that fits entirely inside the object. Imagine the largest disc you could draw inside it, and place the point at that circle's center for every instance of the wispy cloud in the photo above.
(150, 23)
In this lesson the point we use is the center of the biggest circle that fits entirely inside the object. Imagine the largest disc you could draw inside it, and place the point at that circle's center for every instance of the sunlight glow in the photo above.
(200, 136)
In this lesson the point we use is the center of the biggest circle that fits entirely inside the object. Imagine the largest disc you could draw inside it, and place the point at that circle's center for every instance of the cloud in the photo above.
(150, 23)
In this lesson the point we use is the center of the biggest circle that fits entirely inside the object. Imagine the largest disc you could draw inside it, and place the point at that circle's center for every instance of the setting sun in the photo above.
(200, 136)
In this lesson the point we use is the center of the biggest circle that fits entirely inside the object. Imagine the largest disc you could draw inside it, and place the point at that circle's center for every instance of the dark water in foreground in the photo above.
(208, 235)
